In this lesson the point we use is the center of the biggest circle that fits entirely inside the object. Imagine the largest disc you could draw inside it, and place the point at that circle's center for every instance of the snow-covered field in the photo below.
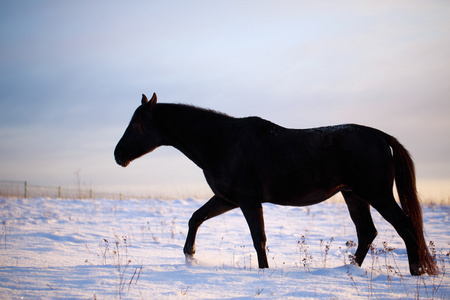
(132, 249)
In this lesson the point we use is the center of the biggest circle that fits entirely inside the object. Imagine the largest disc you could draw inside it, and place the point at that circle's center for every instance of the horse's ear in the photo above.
(144, 99)
(153, 100)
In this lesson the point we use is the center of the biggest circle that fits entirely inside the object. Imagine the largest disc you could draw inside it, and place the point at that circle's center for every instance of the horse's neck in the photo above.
(197, 133)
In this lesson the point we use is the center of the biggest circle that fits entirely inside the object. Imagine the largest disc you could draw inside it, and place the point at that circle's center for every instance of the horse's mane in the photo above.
(192, 108)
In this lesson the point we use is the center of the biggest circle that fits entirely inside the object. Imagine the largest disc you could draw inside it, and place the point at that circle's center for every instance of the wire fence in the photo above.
(22, 189)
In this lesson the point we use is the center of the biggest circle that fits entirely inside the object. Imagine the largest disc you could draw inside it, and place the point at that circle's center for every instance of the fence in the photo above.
(24, 189)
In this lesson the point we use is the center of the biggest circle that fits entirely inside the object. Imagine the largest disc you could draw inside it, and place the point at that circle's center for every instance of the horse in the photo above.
(250, 161)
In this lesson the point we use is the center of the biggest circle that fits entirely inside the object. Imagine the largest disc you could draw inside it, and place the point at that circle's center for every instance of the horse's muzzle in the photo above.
(123, 163)
(120, 160)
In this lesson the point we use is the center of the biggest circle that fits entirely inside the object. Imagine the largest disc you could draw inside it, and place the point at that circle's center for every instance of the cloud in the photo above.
(72, 74)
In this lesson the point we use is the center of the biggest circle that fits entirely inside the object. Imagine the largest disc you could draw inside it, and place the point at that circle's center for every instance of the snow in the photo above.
(132, 249)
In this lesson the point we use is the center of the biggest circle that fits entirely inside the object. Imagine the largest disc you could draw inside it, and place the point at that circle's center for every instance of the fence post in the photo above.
(25, 191)
(59, 191)
(90, 193)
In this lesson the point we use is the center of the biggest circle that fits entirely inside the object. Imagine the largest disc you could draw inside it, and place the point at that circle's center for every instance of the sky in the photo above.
(72, 74)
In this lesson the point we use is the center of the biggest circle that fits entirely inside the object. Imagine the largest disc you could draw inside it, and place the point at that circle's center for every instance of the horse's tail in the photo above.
(405, 181)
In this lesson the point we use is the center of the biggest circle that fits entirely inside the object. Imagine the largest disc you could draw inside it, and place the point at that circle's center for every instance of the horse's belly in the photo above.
(300, 197)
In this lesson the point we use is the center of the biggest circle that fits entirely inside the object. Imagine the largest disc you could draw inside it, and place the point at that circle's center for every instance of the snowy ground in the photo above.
(132, 249)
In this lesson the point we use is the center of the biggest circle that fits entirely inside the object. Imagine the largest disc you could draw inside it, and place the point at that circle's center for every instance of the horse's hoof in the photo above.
(416, 270)
(189, 252)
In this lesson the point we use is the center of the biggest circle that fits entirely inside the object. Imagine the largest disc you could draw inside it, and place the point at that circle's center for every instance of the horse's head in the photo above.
(141, 135)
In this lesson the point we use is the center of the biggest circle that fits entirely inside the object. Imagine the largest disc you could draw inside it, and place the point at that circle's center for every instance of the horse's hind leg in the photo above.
(391, 211)
(214, 207)
(365, 229)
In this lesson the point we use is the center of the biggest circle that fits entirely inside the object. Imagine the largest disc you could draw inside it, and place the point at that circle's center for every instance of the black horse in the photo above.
(249, 161)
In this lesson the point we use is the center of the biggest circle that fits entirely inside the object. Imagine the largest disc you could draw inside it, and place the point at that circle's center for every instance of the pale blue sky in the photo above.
(72, 73)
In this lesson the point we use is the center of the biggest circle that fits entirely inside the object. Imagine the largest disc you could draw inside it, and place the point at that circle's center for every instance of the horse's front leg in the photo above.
(214, 207)
(255, 220)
